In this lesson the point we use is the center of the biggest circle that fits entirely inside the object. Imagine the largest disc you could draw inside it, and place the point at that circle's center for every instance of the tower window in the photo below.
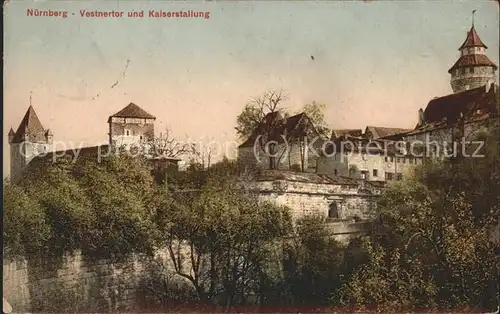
(375, 172)
(127, 132)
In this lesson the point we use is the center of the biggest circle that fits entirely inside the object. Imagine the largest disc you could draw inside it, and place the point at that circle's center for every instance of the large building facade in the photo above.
(443, 128)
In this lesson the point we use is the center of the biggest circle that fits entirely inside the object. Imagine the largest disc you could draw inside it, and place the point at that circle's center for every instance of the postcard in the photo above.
(251, 156)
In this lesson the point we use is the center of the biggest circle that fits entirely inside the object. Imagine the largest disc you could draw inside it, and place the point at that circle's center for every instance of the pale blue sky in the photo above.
(376, 63)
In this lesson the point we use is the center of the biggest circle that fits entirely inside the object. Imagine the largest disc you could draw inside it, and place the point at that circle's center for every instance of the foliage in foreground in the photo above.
(430, 250)
(433, 247)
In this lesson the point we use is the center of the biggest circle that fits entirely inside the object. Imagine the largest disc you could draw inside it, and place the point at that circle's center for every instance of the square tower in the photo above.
(131, 126)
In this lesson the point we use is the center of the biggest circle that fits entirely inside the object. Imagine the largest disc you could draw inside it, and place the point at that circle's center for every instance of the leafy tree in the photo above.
(220, 238)
(313, 263)
(316, 113)
(255, 112)
(121, 189)
(102, 208)
(25, 227)
(433, 248)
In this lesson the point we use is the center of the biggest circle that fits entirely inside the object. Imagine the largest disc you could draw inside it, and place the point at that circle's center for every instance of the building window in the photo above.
(403, 160)
(333, 212)
(127, 132)
(335, 172)
(364, 175)
(400, 176)
(386, 159)
(141, 137)
(392, 159)
(375, 172)
(388, 176)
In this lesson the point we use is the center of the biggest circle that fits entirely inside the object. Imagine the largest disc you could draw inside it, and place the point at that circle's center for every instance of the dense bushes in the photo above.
(102, 209)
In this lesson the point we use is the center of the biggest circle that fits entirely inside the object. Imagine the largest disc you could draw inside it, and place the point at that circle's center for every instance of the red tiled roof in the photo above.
(472, 60)
(133, 111)
(31, 127)
(472, 40)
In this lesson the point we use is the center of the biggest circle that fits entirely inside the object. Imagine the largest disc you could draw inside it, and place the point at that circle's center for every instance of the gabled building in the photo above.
(131, 126)
(281, 142)
(369, 157)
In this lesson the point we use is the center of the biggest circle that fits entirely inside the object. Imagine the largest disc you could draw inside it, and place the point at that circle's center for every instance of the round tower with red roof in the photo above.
(473, 69)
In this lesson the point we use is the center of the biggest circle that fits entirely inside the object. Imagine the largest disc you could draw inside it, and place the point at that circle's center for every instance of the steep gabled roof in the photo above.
(472, 40)
(282, 126)
(132, 111)
(475, 105)
(451, 106)
(30, 128)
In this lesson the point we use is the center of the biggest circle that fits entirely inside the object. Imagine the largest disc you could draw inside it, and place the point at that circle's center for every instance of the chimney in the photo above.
(421, 119)
(489, 85)
(285, 118)
(49, 136)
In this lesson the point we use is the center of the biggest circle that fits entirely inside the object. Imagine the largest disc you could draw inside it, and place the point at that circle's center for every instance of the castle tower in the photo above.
(30, 140)
(130, 126)
(473, 69)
